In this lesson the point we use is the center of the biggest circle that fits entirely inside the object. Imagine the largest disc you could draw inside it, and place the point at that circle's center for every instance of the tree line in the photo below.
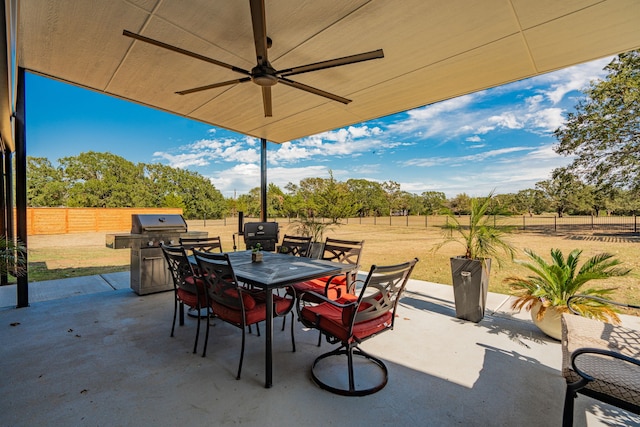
(602, 135)
(105, 180)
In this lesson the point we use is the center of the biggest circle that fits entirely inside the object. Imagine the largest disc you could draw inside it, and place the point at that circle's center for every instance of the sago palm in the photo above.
(553, 283)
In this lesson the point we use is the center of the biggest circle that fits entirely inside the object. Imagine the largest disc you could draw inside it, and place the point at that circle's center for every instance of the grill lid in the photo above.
(146, 223)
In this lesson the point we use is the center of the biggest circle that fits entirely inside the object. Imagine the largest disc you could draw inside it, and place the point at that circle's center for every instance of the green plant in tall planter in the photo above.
(312, 227)
(482, 241)
(546, 290)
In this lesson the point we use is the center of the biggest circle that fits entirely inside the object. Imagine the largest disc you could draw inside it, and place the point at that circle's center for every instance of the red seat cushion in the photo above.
(191, 280)
(329, 318)
(248, 301)
(190, 298)
(337, 288)
(257, 313)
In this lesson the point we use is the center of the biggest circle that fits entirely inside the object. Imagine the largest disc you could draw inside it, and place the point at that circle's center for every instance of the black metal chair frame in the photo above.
(379, 295)
(219, 277)
(580, 386)
(295, 245)
(203, 244)
(180, 268)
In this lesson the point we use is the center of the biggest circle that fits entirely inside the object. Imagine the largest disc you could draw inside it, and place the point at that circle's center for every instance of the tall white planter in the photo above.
(470, 279)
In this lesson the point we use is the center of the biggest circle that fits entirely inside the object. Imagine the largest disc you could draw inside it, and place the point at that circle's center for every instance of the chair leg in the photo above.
(175, 313)
(195, 344)
(319, 339)
(206, 337)
(181, 313)
(241, 354)
(352, 383)
(567, 412)
(293, 338)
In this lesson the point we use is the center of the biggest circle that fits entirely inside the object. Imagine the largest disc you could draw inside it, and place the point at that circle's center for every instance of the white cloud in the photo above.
(573, 78)
(241, 178)
(506, 120)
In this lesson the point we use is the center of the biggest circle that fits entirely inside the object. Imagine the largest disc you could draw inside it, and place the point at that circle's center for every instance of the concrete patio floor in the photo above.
(92, 352)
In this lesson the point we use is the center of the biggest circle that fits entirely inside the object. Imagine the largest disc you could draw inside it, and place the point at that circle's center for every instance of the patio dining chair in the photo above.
(295, 245)
(204, 244)
(350, 322)
(599, 360)
(232, 303)
(187, 287)
(334, 287)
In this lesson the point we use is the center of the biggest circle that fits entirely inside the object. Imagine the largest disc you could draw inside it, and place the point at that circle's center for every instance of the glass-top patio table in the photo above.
(276, 271)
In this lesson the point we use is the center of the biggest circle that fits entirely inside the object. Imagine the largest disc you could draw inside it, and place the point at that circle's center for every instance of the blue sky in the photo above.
(500, 138)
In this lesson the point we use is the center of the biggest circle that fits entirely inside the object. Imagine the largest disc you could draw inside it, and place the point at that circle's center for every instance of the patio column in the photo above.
(263, 180)
(21, 184)
(4, 206)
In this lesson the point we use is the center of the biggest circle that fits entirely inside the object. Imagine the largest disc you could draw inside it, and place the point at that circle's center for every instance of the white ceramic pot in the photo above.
(550, 323)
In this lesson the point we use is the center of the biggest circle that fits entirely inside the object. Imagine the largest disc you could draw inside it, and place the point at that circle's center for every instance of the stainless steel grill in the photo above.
(149, 271)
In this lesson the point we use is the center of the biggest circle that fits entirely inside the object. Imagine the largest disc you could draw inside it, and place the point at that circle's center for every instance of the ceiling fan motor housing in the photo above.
(264, 75)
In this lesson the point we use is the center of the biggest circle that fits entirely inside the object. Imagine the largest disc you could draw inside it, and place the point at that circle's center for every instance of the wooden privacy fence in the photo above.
(86, 220)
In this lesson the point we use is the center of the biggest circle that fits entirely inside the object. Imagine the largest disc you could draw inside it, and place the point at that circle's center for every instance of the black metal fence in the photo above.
(548, 223)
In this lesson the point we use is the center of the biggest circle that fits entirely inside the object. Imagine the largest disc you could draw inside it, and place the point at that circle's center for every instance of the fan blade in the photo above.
(213, 86)
(313, 90)
(258, 18)
(183, 51)
(352, 59)
(266, 101)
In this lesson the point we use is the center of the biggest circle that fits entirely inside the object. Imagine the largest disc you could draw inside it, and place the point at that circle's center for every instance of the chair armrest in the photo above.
(602, 352)
(324, 299)
(317, 296)
(351, 284)
(598, 299)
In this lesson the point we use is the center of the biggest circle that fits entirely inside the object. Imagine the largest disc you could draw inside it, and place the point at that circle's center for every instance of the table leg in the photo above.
(268, 355)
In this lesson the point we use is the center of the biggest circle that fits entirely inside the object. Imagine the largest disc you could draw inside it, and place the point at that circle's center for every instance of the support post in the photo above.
(263, 180)
(21, 185)
(4, 279)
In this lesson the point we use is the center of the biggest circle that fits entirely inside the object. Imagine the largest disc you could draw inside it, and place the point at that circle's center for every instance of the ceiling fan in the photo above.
(263, 74)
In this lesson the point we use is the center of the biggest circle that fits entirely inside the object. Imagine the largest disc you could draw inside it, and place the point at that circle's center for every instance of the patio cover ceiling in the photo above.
(433, 50)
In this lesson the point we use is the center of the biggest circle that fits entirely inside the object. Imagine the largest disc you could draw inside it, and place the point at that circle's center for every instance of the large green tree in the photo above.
(433, 202)
(45, 187)
(193, 192)
(369, 195)
(566, 194)
(103, 180)
(604, 132)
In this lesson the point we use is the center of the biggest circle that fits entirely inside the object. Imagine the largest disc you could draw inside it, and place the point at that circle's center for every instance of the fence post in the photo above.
(592, 221)
(635, 223)
(524, 222)
(375, 215)
(425, 221)
(407, 219)
(555, 223)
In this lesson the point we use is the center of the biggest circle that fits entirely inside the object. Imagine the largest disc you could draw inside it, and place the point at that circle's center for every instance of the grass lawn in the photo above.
(71, 255)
